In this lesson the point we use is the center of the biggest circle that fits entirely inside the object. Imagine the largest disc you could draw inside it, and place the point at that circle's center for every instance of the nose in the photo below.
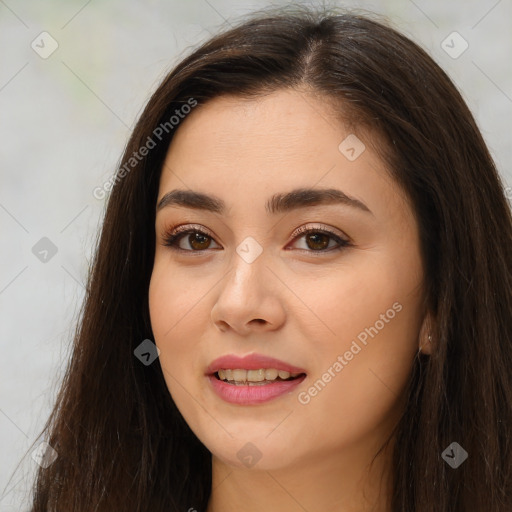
(249, 299)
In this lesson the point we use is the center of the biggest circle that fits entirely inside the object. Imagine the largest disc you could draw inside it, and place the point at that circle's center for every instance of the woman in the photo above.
(301, 295)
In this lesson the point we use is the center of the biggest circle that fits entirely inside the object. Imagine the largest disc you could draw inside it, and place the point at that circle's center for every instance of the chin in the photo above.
(254, 452)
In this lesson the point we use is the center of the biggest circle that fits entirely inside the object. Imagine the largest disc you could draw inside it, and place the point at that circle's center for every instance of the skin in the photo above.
(305, 308)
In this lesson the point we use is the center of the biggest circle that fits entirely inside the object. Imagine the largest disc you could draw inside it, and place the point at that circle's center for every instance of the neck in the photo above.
(339, 481)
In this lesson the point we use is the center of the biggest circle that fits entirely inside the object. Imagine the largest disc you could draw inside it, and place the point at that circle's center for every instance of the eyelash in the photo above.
(172, 238)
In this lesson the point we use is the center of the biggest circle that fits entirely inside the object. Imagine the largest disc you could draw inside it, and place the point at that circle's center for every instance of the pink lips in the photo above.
(251, 394)
(250, 362)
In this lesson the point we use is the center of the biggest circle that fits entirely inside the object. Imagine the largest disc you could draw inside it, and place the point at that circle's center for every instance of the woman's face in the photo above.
(246, 282)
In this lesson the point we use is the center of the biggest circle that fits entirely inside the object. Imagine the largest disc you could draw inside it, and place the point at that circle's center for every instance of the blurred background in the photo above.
(74, 76)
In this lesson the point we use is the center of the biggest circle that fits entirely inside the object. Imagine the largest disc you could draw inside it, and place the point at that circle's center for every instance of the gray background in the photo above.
(65, 120)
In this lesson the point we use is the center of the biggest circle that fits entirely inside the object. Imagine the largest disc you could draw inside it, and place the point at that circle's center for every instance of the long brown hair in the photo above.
(121, 442)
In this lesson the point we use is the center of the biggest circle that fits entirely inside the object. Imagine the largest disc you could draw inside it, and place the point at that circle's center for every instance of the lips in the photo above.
(250, 362)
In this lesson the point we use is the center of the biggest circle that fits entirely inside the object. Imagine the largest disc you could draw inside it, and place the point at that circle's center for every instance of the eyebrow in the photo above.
(278, 203)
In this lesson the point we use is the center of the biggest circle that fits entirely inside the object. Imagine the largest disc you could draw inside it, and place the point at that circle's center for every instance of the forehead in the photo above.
(240, 149)
(281, 121)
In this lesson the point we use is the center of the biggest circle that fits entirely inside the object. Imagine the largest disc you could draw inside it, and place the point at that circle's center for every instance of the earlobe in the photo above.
(425, 342)
(426, 346)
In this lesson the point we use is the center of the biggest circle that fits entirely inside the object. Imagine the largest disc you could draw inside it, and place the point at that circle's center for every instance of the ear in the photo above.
(426, 341)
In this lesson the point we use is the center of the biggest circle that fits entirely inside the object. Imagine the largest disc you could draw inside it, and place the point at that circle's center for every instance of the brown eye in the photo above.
(195, 238)
(199, 241)
(318, 240)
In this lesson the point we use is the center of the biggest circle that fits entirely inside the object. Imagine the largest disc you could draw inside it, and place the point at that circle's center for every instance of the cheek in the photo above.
(178, 315)
(373, 318)
(357, 387)
(172, 301)
(168, 315)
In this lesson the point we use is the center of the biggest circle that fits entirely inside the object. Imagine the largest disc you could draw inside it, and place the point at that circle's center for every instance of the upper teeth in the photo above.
(255, 375)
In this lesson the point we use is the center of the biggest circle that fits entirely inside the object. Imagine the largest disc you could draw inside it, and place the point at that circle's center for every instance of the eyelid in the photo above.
(319, 227)
(182, 228)
(174, 233)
